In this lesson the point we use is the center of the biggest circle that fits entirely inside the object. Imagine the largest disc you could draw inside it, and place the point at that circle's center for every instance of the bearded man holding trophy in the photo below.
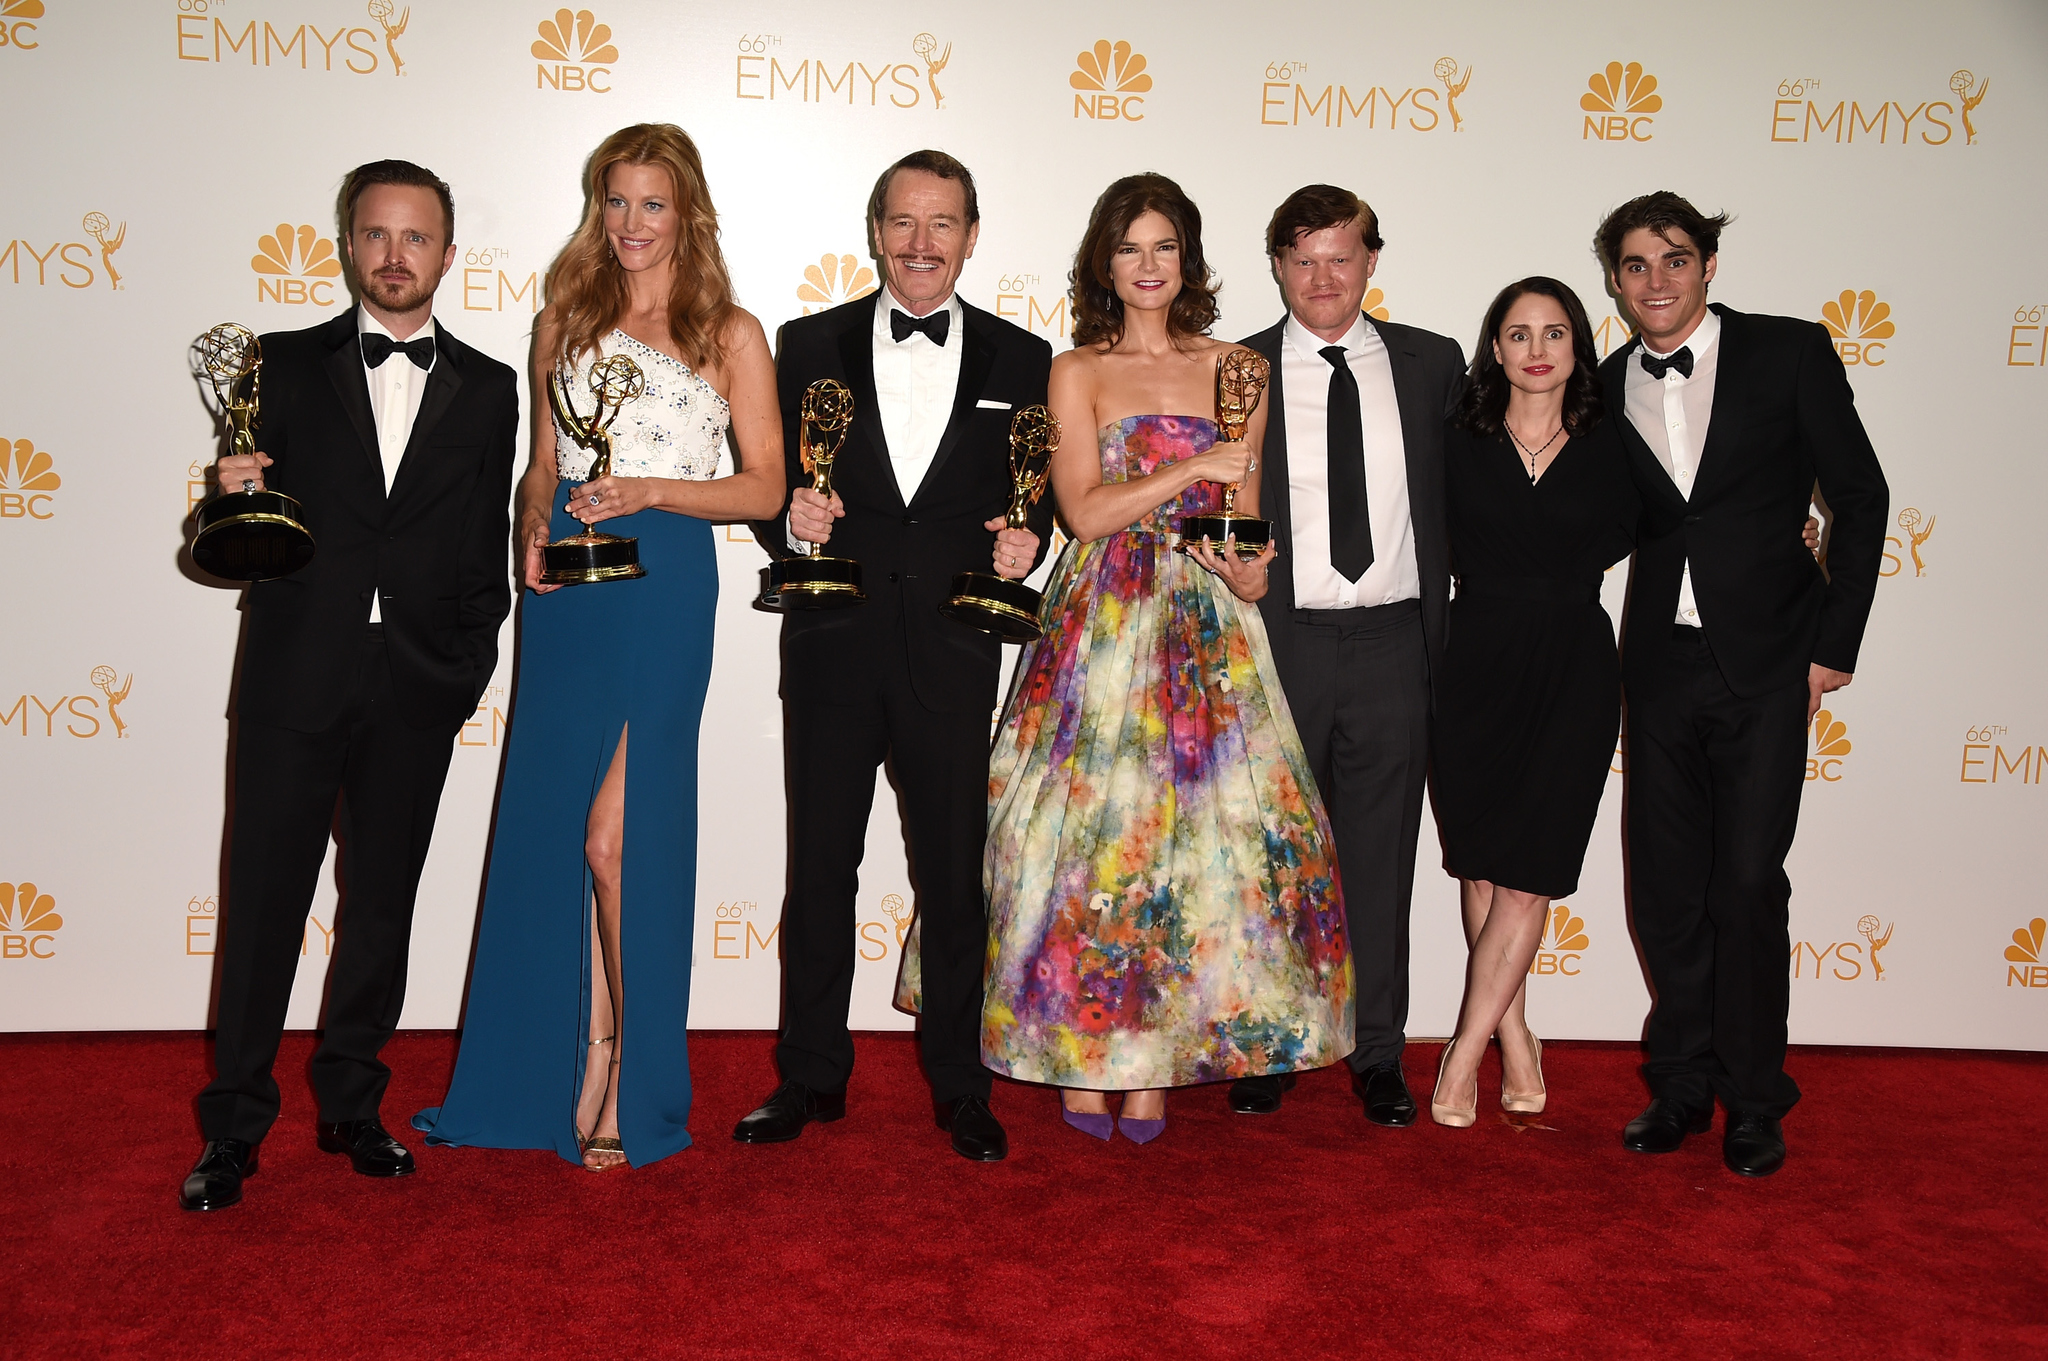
(914, 488)
(363, 656)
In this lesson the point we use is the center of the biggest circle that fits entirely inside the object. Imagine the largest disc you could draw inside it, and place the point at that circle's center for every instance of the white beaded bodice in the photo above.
(674, 429)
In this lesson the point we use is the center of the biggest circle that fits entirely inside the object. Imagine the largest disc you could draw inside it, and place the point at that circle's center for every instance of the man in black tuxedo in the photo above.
(357, 670)
(1733, 635)
(921, 486)
(1356, 615)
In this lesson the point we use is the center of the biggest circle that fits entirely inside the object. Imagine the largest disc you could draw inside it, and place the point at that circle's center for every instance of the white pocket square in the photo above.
(986, 405)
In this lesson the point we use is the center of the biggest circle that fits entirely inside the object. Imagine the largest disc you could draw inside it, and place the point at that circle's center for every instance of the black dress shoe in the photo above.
(1384, 1089)
(1260, 1095)
(785, 1113)
(1663, 1125)
(1753, 1144)
(369, 1146)
(215, 1181)
(977, 1134)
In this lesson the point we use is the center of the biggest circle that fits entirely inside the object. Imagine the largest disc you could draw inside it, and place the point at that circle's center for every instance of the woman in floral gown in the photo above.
(1163, 907)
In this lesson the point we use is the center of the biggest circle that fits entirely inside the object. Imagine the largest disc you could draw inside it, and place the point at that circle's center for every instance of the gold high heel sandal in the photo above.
(1528, 1103)
(1457, 1117)
(601, 1143)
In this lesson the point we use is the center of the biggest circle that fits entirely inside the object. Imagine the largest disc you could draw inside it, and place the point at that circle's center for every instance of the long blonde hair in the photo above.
(586, 287)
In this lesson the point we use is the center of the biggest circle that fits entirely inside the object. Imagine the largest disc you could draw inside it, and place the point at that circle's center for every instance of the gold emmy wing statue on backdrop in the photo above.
(245, 535)
(994, 604)
(816, 582)
(1241, 378)
(593, 556)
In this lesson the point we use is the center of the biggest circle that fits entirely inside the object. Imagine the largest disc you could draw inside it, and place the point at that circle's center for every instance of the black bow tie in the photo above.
(1680, 359)
(935, 326)
(378, 348)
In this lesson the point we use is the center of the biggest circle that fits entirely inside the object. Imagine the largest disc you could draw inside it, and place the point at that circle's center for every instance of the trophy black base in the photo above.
(813, 584)
(993, 604)
(1252, 533)
(251, 536)
(590, 557)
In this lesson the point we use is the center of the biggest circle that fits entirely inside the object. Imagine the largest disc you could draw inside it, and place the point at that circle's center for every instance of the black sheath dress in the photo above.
(1530, 700)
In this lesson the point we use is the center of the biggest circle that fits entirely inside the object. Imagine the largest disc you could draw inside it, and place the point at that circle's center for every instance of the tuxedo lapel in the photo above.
(857, 362)
(345, 370)
(977, 361)
(1730, 411)
(443, 383)
(1654, 473)
(1417, 412)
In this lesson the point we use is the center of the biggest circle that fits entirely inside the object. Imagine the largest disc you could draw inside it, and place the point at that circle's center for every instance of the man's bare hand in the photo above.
(242, 472)
(811, 515)
(1016, 549)
(1819, 680)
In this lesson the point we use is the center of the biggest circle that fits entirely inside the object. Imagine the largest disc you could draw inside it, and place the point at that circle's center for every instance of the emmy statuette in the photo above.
(814, 581)
(245, 535)
(593, 556)
(1241, 378)
(995, 604)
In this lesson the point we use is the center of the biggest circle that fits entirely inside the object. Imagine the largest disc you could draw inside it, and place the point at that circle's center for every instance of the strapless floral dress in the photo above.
(1163, 902)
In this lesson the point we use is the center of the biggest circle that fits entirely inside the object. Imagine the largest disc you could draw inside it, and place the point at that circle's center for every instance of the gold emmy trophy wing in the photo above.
(996, 604)
(1241, 378)
(246, 534)
(814, 581)
(591, 555)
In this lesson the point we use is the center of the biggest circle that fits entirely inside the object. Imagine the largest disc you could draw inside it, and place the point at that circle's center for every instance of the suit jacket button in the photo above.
(1692, 519)
(892, 576)
(909, 520)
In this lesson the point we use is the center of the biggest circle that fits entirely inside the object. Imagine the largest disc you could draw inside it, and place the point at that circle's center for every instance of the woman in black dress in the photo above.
(1540, 504)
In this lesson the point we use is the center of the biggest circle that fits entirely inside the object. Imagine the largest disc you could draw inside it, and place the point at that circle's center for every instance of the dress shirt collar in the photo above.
(367, 325)
(885, 299)
(1310, 344)
(1700, 341)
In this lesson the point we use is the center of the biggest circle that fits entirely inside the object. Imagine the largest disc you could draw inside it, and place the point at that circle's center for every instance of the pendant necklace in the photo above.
(1531, 454)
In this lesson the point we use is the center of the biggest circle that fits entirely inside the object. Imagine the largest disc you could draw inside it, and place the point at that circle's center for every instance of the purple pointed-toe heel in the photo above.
(1142, 1131)
(1094, 1126)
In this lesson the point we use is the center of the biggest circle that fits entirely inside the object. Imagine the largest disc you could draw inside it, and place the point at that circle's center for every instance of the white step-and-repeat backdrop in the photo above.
(174, 163)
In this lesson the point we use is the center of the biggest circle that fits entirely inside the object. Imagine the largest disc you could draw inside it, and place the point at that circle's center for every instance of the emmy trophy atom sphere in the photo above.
(814, 581)
(245, 535)
(594, 556)
(995, 604)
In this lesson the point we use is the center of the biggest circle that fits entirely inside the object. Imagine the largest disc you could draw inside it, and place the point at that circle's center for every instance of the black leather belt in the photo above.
(1547, 590)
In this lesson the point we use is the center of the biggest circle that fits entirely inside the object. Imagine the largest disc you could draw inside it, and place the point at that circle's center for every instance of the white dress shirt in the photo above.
(1305, 381)
(1671, 414)
(915, 383)
(396, 387)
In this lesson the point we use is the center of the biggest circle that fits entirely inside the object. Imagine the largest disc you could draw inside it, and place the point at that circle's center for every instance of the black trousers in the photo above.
(388, 777)
(1713, 800)
(941, 763)
(1360, 699)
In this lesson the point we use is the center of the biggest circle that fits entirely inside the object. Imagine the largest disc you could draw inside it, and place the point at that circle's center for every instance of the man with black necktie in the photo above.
(1357, 610)
(921, 487)
(1733, 635)
(358, 670)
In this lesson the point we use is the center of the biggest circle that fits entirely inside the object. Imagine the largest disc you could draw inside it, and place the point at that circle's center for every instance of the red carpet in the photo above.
(1910, 1221)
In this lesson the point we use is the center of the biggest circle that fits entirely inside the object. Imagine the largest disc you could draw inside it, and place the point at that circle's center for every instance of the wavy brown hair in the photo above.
(1097, 312)
(586, 287)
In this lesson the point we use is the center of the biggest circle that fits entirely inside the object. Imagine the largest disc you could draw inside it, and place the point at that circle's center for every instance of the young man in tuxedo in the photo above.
(1356, 614)
(359, 669)
(921, 486)
(1733, 635)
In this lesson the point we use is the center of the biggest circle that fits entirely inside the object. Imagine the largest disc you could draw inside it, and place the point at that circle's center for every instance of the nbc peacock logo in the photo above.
(1374, 305)
(576, 52)
(2025, 966)
(1563, 945)
(1830, 744)
(295, 265)
(1859, 325)
(17, 24)
(28, 477)
(835, 279)
(28, 922)
(1110, 81)
(1618, 104)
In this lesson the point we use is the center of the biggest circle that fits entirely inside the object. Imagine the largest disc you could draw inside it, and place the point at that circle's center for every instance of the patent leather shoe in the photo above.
(1663, 1125)
(1384, 1090)
(215, 1181)
(785, 1113)
(1752, 1144)
(1260, 1095)
(977, 1134)
(370, 1148)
